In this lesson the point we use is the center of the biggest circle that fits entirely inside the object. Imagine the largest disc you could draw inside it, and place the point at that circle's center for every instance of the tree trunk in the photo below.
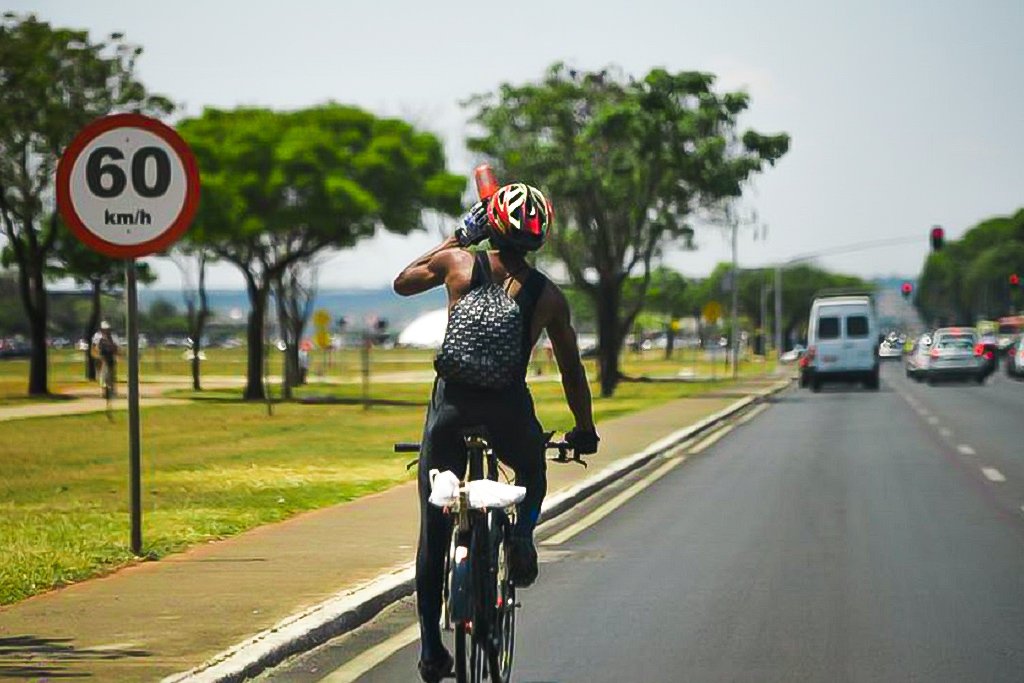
(670, 340)
(287, 376)
(609, 337)
(90, 329)
(33, 291)
(197, 346)
(254, 390)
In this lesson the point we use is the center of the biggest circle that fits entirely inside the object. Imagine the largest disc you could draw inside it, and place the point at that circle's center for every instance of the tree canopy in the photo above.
(969, 278)
(53, 81)
(279, 187)
(626, 163)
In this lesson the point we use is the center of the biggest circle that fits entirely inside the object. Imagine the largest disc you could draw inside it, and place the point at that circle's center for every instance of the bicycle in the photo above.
(478, 595)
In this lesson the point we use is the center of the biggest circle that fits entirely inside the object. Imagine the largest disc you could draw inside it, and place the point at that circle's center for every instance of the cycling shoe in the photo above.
(522, 561)
(434, 671)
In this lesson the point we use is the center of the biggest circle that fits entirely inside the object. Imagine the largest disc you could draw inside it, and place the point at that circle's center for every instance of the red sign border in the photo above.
(74, 221)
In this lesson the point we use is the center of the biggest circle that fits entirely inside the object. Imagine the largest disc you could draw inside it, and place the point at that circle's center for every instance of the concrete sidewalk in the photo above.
(155, 619)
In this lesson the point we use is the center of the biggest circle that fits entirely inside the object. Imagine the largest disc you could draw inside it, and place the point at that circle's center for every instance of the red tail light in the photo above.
(989, 355)
(934, 353)
(979, 349)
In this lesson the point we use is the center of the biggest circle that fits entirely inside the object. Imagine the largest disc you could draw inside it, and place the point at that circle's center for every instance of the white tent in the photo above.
(426, 331)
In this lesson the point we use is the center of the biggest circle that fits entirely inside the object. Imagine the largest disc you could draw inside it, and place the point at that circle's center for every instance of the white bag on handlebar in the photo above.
(483, 493)
(444, 488)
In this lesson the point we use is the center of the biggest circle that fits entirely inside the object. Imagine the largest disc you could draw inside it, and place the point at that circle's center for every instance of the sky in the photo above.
(902, 114)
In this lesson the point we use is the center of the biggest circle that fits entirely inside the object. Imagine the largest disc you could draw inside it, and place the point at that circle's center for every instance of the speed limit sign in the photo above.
(127, 186)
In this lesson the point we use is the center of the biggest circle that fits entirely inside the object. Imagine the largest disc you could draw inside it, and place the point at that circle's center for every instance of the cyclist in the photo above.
(516, 220)
(105, 348)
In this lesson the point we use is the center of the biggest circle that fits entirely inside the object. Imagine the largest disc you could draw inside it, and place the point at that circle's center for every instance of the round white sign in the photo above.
(128, 185)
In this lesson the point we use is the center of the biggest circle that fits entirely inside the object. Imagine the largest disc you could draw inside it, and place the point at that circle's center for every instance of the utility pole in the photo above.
(778, 312)
(734, 224)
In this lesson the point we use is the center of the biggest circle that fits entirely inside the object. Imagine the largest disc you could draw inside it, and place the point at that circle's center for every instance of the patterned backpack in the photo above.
(485, 343)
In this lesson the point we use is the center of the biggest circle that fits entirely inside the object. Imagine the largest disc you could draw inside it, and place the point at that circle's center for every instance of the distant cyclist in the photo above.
(105, 349)
(498, 307)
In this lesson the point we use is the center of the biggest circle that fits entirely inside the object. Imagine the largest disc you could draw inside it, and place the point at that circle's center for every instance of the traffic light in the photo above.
(906, 289)
(1014, 279)
(938, 236)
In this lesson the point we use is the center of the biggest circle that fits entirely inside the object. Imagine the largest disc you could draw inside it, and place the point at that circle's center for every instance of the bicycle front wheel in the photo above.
(502, 639)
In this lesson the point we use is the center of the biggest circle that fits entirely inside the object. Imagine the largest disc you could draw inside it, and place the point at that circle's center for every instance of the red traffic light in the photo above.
(1014, 279)
(906, 288)
(938, 237)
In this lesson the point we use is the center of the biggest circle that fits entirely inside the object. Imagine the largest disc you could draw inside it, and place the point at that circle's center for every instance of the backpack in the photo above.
(485, 342)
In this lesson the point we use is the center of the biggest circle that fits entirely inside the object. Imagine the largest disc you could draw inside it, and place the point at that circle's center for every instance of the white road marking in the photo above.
(613, 504)
(359, 665)
(946, 432)
(932, 420)
(752, 414)
(711, 439)
(992, 474)
(964, 449)
(922, 412)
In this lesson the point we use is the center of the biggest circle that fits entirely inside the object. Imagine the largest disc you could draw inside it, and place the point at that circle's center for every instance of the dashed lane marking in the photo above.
(946, 432)
(964, 449)
(359, 665)
(992, 474)
(932, 420)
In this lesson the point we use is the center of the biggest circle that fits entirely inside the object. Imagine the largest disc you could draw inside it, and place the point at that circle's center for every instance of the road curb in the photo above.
(355, 606)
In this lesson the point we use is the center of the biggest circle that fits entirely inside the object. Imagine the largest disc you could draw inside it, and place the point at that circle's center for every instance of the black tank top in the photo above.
(526, 298)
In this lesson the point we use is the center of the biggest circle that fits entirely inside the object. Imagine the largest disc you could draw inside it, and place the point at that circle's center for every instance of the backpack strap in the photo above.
(481, 270)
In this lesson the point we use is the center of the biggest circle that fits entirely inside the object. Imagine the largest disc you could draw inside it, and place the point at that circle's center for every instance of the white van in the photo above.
(842, 341)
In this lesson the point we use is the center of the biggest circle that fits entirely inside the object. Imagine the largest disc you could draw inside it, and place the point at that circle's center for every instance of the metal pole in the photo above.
(778, 312)
(764, 323)
(735, 304)
(135, 460)
(365, 356)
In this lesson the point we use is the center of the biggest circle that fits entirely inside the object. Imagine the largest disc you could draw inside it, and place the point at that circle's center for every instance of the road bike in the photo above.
(478, 596)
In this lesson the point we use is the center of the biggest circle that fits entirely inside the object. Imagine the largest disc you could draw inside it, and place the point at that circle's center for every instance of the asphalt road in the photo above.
(841, 536)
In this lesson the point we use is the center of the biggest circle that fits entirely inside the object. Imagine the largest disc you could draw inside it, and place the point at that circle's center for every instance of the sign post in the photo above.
(128, 186)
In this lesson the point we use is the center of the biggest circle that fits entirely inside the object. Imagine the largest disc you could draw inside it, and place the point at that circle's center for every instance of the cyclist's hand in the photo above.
(583, 441)
(474, 226)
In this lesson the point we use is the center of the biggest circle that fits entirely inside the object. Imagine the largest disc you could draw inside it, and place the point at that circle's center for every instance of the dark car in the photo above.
(988, 349)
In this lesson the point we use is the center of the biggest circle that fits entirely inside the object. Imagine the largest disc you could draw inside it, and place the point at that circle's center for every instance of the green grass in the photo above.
(218, 466)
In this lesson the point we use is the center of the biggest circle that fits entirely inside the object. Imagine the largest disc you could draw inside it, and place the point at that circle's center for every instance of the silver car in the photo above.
(916, 360)
(955, 354)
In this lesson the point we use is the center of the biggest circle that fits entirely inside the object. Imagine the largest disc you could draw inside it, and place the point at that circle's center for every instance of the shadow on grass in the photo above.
(35, 657)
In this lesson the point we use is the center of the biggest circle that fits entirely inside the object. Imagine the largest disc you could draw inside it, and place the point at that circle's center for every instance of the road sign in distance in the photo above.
(127, 186)
(322, 318)
(712, 311)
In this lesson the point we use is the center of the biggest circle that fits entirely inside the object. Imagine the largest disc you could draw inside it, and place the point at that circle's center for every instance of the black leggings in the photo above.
(517, 439)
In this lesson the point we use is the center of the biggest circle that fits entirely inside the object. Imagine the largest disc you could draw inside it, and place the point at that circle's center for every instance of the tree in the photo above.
(294, 293)
(53, 81)
(968, 279)
(626, 163)
(191, 260)
(278, 188)
(100, 273)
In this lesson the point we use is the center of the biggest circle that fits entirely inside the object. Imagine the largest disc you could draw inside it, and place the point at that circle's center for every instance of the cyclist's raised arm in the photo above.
(431, 269)
(567, 355)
